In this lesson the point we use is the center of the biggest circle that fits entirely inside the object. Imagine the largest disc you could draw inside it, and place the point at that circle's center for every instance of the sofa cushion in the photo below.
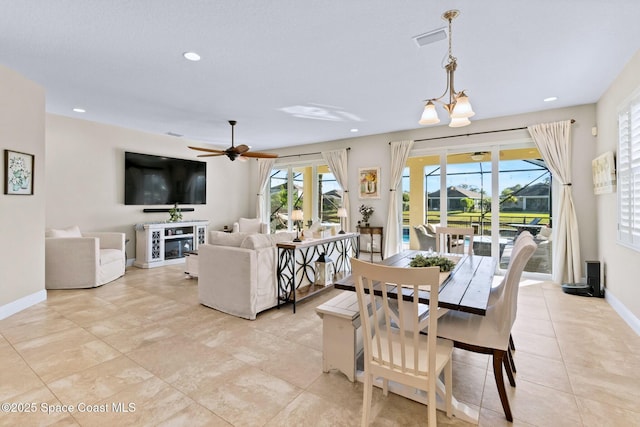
(256, 241)
(249, 225)
(220, 238)
(73, 231)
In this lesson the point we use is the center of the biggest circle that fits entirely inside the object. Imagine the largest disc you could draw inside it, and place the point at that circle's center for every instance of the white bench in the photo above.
(341, 334)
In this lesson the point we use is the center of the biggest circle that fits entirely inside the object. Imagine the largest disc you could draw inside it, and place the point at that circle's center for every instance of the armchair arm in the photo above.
(108, 240)
(71, 262)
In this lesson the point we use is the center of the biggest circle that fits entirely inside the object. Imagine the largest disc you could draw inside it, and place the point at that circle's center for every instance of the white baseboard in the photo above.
(22, 303)
(623, 311)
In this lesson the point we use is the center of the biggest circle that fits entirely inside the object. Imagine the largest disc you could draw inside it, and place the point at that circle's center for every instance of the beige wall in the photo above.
(620, 264)
(374, 150)
(22, 120)
(85, 179)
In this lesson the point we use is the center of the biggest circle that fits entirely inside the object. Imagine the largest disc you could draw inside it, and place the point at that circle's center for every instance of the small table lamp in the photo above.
(342, 213)
(296, 217)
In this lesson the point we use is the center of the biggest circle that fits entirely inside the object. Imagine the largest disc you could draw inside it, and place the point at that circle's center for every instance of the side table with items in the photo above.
(371, 232)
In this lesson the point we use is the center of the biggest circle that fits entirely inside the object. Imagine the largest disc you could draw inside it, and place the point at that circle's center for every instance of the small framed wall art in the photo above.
(18, 169)
(369, 179)
(604, 173)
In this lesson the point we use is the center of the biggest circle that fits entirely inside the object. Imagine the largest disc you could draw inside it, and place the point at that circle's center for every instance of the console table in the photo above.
(296, 272)
(372, 231)
(165, 243)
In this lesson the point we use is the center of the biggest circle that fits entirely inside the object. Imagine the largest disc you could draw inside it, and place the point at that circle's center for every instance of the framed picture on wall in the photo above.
(604, 173)
(18, 169)
(369, 179)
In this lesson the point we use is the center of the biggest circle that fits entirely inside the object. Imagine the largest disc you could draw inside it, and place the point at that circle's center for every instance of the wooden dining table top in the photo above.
(466, 289)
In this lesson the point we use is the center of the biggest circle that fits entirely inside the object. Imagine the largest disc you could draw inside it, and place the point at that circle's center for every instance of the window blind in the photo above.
(629, 174)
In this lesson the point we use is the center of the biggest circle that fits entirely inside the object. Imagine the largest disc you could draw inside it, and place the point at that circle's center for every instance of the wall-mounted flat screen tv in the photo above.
(158, 180)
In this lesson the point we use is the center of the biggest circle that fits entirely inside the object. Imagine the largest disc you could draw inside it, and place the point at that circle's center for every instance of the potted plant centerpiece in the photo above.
(420, 260)
(366, 212)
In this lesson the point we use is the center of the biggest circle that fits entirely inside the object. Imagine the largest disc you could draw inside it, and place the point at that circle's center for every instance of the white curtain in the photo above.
(399, 155)
(337, 161)
(554, 143)
(264, 170)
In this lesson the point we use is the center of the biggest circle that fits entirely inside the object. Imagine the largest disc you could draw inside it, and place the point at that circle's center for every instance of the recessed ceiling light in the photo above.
(550, 99)
(191, 56)
(79, 110)
(353, 130)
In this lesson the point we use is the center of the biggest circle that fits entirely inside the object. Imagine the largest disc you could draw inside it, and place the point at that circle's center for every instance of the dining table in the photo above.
(465, 288)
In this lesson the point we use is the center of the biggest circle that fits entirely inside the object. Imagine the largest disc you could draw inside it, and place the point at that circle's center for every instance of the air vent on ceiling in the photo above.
(174, 134)
(431, 36)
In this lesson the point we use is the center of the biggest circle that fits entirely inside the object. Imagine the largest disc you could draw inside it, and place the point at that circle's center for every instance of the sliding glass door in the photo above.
(497, 191)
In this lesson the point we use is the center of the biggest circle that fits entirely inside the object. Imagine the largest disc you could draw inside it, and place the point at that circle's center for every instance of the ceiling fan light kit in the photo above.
(459, 107)
(233, 152)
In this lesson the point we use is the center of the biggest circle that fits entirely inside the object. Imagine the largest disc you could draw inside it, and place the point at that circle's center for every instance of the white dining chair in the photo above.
(394, 348)
(490, 334)
(454, 240)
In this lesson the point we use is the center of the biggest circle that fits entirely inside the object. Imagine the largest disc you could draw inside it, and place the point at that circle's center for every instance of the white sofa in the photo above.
(237, 272)
(82, 260)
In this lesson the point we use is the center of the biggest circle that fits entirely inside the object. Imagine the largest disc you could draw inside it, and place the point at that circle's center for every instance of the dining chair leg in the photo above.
(511, 361)
(366, 399)
(498, 356)
(511, 344)
(506, 361)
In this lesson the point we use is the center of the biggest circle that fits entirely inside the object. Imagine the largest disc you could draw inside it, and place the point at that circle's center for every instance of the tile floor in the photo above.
(142, 351)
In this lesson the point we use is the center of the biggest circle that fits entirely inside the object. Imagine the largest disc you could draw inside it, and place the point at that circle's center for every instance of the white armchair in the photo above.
(83, 260)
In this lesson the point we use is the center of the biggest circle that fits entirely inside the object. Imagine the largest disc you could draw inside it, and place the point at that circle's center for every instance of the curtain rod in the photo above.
(306, 154)
(475, 133)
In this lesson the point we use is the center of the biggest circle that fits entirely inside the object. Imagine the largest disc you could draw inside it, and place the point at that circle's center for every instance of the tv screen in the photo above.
(157, 180)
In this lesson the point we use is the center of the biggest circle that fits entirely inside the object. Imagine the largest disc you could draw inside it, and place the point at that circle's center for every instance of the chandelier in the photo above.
(459, 108)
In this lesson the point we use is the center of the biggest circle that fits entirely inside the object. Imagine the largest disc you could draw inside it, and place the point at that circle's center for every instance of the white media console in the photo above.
(165, 243)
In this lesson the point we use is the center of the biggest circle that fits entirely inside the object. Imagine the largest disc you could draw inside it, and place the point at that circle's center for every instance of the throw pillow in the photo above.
(73, 231)
(249, 225)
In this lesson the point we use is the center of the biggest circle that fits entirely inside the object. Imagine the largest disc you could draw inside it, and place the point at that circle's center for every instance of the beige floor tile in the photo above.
(63, 353)
(128, 340)
(246, 396)
(536, 344)
(99, 382)
(16, 376)
(39, 408)
(143, 404)
(325, 413)
(618, 390)
(599, 414)
(194, 415)
(37, 329)
(534, 404)
(542, 370)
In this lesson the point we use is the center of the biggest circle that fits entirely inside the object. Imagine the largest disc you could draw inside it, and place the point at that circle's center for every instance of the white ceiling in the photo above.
(351, 61)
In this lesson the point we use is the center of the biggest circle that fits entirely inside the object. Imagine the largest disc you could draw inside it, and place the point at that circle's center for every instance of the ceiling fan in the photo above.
(234, 152)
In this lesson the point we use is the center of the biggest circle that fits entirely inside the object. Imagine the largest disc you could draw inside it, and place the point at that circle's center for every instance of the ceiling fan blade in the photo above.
(208, 150)
(210, 155)
(242, 148)
(260, 155)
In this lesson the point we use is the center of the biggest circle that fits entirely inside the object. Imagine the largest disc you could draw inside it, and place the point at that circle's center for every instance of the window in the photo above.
(311, 188)
(629, 174)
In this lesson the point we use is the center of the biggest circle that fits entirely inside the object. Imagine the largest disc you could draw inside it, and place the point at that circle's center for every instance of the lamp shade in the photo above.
(462, 107)
(458, 122)
(297, 215)
(342, 213)
(429, 115)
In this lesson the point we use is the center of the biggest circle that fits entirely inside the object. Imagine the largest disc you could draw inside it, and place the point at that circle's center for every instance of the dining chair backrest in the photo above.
(454, 240)
(508, 301)
(394, 348)
(498, 288)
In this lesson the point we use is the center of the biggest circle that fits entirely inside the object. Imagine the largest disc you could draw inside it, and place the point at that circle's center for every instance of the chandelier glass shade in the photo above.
(458, 107)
